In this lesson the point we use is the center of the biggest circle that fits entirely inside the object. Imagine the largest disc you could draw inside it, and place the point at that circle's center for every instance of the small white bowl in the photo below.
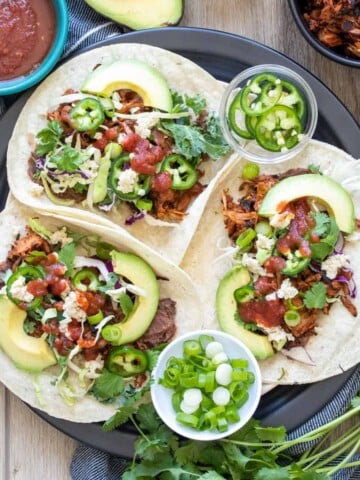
(161, 396)
(251, 149)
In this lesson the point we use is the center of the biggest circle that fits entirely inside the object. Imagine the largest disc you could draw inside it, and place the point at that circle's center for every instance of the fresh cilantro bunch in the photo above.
(253, 453)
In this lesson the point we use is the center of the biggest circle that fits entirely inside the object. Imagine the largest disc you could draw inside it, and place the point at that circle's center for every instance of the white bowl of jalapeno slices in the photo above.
(268, 113)
(206, 385)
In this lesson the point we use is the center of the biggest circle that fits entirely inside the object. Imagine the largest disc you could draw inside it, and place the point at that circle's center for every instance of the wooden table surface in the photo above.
(30, 449)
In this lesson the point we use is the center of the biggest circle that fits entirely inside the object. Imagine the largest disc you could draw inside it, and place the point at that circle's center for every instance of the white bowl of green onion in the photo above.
(206, 385)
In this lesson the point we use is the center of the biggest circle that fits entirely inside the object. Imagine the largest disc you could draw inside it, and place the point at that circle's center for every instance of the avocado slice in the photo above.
(140, 14)
(132, 74)
(329, 192)
(226, 311)
(138, 272)
(28, 353)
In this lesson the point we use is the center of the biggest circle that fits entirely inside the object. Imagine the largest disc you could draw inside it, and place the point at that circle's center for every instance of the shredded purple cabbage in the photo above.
(109, 265)
(339, 246)
(59, 174)
(40, 163)
(350, 283)
(134, 218)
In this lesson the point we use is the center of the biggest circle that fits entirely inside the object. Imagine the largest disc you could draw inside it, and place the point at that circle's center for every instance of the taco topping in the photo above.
(105, 151)
(295, 259)
(78, 299)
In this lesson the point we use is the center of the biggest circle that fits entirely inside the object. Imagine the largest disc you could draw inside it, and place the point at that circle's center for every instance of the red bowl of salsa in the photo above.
(32, 38)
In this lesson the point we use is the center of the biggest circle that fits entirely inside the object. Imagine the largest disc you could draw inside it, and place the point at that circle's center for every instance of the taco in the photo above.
(84, 314)
(125, 135)
(284, 278)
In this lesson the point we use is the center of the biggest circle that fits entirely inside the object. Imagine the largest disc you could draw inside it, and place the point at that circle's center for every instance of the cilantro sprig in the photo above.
(253, 453)
(63, 157)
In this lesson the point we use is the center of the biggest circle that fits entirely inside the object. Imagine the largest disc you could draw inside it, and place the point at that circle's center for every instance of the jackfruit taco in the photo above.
(126, 135)
(84, 314)
(284, 266)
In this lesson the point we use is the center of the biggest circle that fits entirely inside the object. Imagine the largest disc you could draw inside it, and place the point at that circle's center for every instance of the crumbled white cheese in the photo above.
(277, 335)
(332, 264)
(144, 125)
(264, 242)
(252, 264)
(19, 290)
(286, 290)
(281, 220)
(64, 327)
(127, 180)
(37, 190)
(72, 309)
(93, 366)
(60, 236)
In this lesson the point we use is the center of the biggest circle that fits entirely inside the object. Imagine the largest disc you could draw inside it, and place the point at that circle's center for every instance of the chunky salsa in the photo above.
(27, 30)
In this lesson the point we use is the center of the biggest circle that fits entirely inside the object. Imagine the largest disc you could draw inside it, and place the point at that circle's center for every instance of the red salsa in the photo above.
(27, 31)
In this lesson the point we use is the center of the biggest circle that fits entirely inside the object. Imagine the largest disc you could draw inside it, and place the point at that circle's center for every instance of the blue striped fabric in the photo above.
(86, 28)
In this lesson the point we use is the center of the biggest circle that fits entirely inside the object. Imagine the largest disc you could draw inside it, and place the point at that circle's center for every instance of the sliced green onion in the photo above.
(231, 414)
(187, 419)
(191, 347)
(205, 340)
(189, 380)
(171, 378)
(111, 333)
(222, 424)
(250, 171)
(96, 318)
(239, 363)
(292, 318)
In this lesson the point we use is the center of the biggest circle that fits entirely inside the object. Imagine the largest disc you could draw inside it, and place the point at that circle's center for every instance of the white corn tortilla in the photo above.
(336, 346)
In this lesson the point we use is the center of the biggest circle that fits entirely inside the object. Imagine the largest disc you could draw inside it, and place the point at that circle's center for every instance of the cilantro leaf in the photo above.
(49, 138)
(280, 473)
(108, 386)
(211, 475)
(120, 417)
(322, 223)
(67, 255)
(148, 418)
(316, 296)
(68, 159)
(29, 326)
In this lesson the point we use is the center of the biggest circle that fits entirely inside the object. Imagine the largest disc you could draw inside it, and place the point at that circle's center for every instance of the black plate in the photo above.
(223, 55)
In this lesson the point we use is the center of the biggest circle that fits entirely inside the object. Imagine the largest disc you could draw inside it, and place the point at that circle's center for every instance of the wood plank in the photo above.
(36, 449)
(3, 432)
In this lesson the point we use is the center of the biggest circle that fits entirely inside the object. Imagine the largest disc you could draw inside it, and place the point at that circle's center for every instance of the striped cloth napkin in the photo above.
(87, 28)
